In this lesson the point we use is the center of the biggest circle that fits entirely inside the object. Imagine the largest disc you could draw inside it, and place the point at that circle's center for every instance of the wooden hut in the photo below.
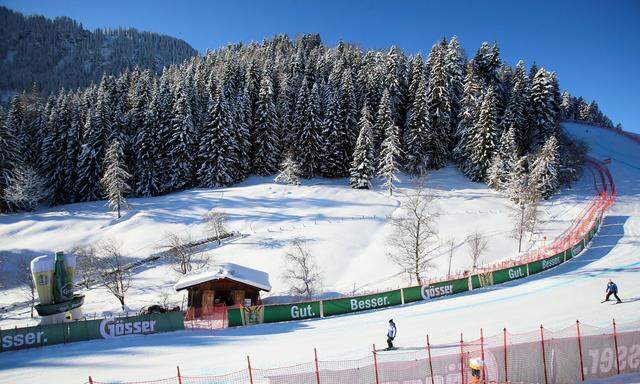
(225, 284)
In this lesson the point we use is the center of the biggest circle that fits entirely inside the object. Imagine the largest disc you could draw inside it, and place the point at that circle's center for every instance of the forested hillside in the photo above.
(333, 112)
(59, 53)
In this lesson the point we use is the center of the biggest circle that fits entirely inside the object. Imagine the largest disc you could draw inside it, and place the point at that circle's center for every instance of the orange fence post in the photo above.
(179, 375)
(90, 380)
(315, 355)
(580, 350)
(430, 364)
(461, 359)
(615, 342)
(375, 363)
(504, 347)
(250, 371)
(544, 358)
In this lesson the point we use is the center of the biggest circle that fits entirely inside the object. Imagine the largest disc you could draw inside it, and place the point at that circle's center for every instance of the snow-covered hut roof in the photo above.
(229, 271)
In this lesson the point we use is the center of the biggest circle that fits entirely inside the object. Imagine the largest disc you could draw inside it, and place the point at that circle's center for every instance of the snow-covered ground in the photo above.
(632, 378)
(346, 230)
(556, 298)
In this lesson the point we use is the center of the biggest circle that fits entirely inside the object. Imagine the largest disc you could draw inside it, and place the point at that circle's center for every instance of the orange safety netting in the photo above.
(576, 353)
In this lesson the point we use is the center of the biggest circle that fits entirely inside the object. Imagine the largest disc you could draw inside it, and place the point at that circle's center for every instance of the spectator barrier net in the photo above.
(573, 354)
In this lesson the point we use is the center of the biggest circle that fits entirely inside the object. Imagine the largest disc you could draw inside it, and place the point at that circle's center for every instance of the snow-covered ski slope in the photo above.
(346, 230)
(556, 298)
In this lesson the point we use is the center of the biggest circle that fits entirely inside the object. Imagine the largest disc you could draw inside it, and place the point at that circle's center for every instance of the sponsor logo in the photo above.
(357, 304)
(113, 328)
(577, 249)
(515, 273)
(252, 315)
(301, 312)
(485, 279)
(23, 339)
(431, 292)
(551, 262)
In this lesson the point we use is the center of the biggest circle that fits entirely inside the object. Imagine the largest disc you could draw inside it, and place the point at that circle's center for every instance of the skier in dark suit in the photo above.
(612, 289)
(391, 334)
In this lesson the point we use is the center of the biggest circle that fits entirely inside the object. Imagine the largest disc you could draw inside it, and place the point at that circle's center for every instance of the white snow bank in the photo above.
(229, 271)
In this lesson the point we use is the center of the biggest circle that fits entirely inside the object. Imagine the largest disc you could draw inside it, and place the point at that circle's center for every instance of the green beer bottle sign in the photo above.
(62, 285)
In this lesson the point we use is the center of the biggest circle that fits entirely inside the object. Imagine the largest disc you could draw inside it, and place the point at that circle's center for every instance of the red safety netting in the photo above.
(578, 229)
(568, 355)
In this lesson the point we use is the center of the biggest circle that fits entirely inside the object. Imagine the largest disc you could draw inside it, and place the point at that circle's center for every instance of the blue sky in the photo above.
(593, 45)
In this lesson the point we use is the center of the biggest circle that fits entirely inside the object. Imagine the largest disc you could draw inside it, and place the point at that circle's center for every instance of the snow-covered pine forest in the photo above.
(332, 112)
(60, 53)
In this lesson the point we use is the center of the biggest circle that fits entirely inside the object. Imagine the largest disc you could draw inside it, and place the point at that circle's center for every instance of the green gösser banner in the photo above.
(30, 337)
(361, 303)
(443, 288)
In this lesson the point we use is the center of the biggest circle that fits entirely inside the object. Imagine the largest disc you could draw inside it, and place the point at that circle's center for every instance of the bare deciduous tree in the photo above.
(301, 271)
(216, 223)
(477, 244)
(524, 193)
(26, 189)
(24, 280)
(86, 268)
(451, 245)
(184, 255)
(111, 265)
(414, 238)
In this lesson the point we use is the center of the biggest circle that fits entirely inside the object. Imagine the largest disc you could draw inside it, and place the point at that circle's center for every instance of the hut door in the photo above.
(208, 297)
(238, 297)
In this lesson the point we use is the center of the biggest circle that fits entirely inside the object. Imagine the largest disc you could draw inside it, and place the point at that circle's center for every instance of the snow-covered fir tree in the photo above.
(336, 139)
(181, 142)
(515, 115)
(484, 138)
(160, 118)
(289, 171)
(309, 141)
(363, 167)
(389, 164)
(146, 180)
(216, 169)
(455, 67)
(265, 145)
(97, 130)
(415, 134)
(348, 110)
(542, 108)
(470, 111)
(9, 152)
(544, 169)
(115, 180)
(438, 111)
(504, 161)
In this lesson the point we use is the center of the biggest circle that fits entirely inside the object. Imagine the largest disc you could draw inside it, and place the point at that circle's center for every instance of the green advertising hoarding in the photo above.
(276, 313)
(361, 303)
(259, 314)
(287, 312)
(439, 289)
(508, 274)
(37, 336)
(544, 264)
